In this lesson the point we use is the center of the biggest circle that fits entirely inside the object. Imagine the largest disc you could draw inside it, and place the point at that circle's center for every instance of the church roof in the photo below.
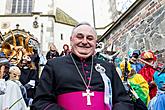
(64, 18)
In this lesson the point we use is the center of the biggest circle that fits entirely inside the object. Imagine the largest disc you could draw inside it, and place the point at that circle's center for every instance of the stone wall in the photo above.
(143, 28)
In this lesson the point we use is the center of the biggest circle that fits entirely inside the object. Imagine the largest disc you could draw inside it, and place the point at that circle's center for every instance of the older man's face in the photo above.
(14, 73)
(14, 76)
(83, 41)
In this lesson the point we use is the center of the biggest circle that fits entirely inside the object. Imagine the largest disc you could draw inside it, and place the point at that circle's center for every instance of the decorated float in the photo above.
(16, 43)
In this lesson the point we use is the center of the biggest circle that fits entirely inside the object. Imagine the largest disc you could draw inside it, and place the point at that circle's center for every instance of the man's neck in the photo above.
(80, 58)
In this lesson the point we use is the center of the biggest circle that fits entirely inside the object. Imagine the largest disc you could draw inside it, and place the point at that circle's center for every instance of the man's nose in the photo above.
(17, 78)
(84, 40)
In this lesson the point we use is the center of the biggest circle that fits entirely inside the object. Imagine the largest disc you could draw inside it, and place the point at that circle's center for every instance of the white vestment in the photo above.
(12, 98)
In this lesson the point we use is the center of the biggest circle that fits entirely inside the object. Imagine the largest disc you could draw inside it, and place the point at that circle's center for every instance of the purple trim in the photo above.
(75, 101)
(83, 71)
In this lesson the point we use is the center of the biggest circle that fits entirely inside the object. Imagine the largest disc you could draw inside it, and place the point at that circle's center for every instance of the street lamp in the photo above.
(17, 26)
(93, 10)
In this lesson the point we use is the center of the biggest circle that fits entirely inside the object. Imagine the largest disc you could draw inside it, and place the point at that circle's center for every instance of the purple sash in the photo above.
(75, 101)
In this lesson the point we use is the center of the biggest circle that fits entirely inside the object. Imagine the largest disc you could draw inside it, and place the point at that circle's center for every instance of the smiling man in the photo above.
(83, 41)
(80, 81)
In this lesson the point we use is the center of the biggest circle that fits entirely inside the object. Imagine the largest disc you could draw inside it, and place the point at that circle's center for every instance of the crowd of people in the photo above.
(81, 79)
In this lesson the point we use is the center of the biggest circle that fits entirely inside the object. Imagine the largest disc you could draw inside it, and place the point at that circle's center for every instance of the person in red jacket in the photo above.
(148, 70)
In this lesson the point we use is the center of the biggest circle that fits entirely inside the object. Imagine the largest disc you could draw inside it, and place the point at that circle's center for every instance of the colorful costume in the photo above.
(29, 76)
(147, 71)
(137, 82)
(158, 102)
(140, 85)
(133, 56)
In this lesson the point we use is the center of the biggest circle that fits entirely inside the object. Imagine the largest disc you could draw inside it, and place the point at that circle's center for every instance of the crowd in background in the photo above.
(19, 81)
(142, 76)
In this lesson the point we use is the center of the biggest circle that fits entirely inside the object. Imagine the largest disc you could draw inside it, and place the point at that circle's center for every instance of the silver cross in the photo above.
(88, 95)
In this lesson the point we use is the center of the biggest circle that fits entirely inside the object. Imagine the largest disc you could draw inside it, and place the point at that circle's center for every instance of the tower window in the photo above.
(22, 6)
(61, 36)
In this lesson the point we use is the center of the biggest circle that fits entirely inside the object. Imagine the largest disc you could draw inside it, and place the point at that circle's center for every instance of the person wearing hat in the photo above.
(148, 70)
(136, 81)
(29, 76)
(11, 97)
(133, 55)
(158, 102)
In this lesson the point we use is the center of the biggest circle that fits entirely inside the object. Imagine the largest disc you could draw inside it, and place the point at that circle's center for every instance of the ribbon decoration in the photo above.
(107, 86)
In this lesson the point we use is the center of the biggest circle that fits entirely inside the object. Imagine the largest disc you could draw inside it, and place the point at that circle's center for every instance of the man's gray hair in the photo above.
(83, 23)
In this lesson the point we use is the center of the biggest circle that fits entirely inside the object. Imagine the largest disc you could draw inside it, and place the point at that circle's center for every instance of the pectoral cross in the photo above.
(88, 95)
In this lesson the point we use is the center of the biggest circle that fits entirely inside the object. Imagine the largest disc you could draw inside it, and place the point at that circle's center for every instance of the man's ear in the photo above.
(70, 38)
(71, 41)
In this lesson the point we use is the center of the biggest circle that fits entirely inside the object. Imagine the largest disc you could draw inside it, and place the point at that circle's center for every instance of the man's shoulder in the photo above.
(107, 65)
(60, 59)
(10, 82)
(100, 61)
(12, 85)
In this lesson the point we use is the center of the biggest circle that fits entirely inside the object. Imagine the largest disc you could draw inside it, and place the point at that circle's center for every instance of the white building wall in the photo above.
(66, 31)
(2, 7)
(26, 23)
(42, 6)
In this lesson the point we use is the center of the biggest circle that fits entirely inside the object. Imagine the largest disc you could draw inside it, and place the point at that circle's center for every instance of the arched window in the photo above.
(22, 6)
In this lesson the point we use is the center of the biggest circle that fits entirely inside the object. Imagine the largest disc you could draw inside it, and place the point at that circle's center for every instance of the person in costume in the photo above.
(158, 102)
(137, 82)
(35, 59)
(10, 94)
(29, 77)
(83, 82)
(133, 59)
(117, 64)
(148, 70)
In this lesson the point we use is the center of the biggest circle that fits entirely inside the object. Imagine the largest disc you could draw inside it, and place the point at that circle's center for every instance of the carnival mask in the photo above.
(26, 59)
